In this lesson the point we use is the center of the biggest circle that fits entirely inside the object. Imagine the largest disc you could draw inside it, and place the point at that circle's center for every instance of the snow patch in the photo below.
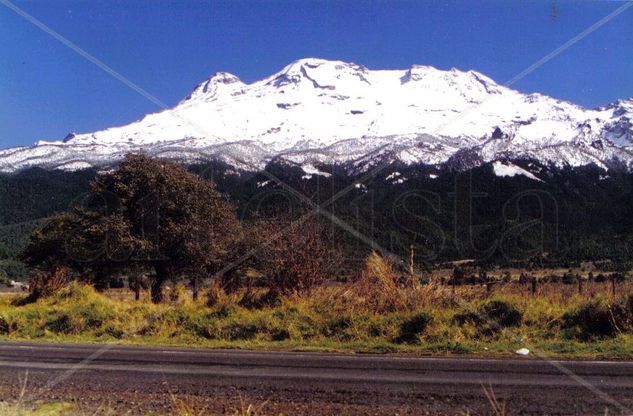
(511, 170)
(311, 170)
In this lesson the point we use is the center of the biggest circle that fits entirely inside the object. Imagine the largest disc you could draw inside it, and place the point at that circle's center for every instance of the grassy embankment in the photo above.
(370, 315)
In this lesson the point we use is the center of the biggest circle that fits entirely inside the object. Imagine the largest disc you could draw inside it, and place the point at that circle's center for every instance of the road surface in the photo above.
(142, 378)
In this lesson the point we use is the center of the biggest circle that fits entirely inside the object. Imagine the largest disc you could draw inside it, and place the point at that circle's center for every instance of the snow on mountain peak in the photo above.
(317, 73)
(211, 87)
(622, 107)
(320, 111)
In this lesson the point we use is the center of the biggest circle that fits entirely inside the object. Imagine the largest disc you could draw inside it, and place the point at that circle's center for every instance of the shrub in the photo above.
(412, 328)
(299, 322)
(47, 284)
(93, 315)
(167, 322)
(63, 324)
(79, 318)
(492, 316)
(5, 328)
(295, 256)
(236, 331)
(223, 311)
(493, 313)
(219, 300)
(178, 294)
(77, 292)
(377, 286)
(503, 313)
(257, 299)
(569, 278)
(337, 328)
(279, 334)
(468, 317)
(554, 278)
(595, 319)
(114, 332)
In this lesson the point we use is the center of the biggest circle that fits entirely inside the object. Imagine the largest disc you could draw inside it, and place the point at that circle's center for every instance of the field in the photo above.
(370, 315)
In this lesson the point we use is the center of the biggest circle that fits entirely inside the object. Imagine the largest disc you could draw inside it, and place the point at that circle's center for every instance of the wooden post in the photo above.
(533, 285)
(613, 285)
(411, 255)
(195, 288)
(134, 284)
(579, 284)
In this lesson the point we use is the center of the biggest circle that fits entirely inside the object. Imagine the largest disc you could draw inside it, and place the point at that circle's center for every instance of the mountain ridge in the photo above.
(333, 112)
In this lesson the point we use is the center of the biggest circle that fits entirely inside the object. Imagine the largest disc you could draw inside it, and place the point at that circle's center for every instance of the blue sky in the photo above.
(168, 47)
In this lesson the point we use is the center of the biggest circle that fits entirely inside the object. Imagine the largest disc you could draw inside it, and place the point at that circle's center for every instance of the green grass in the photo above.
(49, 409)
(331, 319)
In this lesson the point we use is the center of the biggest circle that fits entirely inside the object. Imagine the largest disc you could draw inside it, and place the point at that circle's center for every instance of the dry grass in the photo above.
(378, 312)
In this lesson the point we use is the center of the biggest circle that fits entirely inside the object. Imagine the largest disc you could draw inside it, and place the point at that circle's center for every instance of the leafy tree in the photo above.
(48, 245)
(165, 218)
(148, 215)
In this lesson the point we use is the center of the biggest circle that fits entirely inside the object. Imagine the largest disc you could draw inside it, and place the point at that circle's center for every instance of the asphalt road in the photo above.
(142, 379)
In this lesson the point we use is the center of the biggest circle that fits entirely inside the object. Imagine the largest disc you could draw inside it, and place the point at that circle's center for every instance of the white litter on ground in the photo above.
(522, 351)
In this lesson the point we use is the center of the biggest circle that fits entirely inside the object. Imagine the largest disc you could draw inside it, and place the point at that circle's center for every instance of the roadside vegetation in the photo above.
(419, 319)
(157, 255)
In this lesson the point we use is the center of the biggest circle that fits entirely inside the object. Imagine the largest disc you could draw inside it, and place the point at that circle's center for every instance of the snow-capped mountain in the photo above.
(317, 111)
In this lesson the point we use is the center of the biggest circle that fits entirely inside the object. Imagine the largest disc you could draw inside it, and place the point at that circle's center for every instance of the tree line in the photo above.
(575, 214)
(154, 221)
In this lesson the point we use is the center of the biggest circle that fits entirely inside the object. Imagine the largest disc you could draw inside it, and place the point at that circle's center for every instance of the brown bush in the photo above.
(47, 284)
(377, 285)
(295, 256)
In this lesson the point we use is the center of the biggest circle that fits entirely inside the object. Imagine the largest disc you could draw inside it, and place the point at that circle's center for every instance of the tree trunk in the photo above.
(156, 288)
(100, 281)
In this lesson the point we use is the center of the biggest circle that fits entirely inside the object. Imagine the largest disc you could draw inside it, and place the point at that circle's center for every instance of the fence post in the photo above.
(579, 284)
(613, 285)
